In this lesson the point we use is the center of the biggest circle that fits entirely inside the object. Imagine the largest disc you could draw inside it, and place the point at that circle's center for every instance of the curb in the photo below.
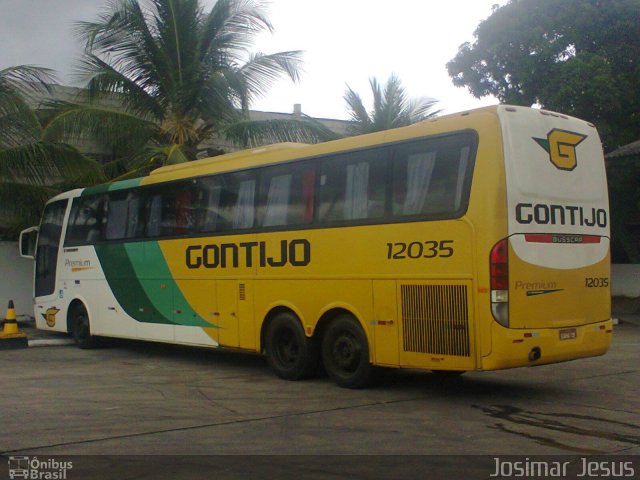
(51, 342)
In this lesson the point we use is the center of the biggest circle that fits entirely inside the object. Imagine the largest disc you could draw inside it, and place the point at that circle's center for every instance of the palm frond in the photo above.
(21, 205)
(144, 160)
(389, 110)
(230, 28)
(176, 154)
(18, 123)
(357, 112)
(261, 71)
(221, 95)
(107, 85)
(256, 133)
(26, 79)
(124, 35)
(421, 109)
(45, 163)
(86, 178)
(392, 107)
(75, 123)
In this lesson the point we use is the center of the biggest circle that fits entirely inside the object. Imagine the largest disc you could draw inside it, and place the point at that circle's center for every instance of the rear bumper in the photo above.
(519, 347)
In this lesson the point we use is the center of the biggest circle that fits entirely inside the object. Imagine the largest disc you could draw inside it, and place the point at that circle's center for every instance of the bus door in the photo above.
(48, 289)
(228, 309)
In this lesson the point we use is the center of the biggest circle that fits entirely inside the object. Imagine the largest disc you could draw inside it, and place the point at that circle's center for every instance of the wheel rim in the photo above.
(286, 348)
(346, 352)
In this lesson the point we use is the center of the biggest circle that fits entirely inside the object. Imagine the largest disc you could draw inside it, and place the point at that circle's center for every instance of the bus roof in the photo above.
(227, 158)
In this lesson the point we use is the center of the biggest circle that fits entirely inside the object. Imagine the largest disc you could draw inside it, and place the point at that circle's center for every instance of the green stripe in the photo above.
(134, 182)
(110, 187)
(141, 281)
(187, 315)
(127, 286)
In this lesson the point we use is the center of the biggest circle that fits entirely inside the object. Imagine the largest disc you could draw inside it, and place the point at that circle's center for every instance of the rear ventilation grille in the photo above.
(435, 319)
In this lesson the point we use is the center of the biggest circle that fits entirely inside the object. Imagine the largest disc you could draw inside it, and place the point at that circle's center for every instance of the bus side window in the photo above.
(185, 215)
(412, 180)
(170, 210)
(286, 195)
(430, 177)
(154, 208)
(353, 187)
(86, 221)
(124, 215)
(207, 205)
(237, 200)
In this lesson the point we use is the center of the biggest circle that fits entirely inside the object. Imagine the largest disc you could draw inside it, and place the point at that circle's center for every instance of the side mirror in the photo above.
(27, 242)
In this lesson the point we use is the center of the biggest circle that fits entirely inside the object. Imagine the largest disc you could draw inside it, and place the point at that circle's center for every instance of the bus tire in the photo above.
(291, 355)
(81, 328)
(345, 353)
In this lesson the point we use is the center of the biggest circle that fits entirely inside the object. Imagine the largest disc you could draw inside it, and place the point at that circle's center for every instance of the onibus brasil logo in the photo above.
(561, 147)
(32, 468)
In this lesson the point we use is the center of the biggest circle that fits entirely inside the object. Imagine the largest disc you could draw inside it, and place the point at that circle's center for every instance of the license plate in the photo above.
(568, 334)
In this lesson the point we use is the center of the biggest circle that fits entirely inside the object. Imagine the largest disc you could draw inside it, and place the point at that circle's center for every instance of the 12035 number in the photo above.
(591, 282)
(428, 249)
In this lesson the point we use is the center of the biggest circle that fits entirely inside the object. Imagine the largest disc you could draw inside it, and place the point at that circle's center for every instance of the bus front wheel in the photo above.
(345, 353)
(291, 355)
(81, 329)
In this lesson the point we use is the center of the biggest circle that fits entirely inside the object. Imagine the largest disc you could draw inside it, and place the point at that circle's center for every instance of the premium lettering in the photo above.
(296, 253)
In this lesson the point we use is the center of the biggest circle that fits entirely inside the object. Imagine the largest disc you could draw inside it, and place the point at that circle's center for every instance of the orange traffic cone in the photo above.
(11, 336)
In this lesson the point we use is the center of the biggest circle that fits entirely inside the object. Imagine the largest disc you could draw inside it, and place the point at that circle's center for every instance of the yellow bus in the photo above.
(473, 241)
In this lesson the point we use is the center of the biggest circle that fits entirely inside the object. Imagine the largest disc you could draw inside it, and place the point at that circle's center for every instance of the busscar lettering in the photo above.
(543, 214)
(296, 253)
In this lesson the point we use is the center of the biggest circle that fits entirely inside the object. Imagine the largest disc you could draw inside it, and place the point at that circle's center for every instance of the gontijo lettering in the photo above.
(296, 253)
(544, 214)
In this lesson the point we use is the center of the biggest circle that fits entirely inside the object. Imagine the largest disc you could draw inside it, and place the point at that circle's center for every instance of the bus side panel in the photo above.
(136, 296)
(82, 279)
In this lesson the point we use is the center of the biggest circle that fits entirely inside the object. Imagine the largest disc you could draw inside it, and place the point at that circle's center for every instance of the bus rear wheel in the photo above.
(291, 355)
(345, 353)
(81, 329)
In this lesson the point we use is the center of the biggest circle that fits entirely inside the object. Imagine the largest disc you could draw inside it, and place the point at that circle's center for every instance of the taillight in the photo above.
(499, 273)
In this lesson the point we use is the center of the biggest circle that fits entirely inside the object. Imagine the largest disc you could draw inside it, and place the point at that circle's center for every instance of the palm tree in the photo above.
(32, 169)
(164, 76)
(391, 108)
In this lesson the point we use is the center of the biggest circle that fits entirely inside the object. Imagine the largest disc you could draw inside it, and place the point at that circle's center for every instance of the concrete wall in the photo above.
(16, 280)
(625, 281)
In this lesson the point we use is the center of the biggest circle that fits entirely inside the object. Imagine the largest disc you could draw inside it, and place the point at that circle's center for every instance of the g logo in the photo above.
(50, 316)
(561, 147)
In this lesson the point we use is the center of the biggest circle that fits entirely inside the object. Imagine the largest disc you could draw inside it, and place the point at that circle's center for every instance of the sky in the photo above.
(345, 42)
